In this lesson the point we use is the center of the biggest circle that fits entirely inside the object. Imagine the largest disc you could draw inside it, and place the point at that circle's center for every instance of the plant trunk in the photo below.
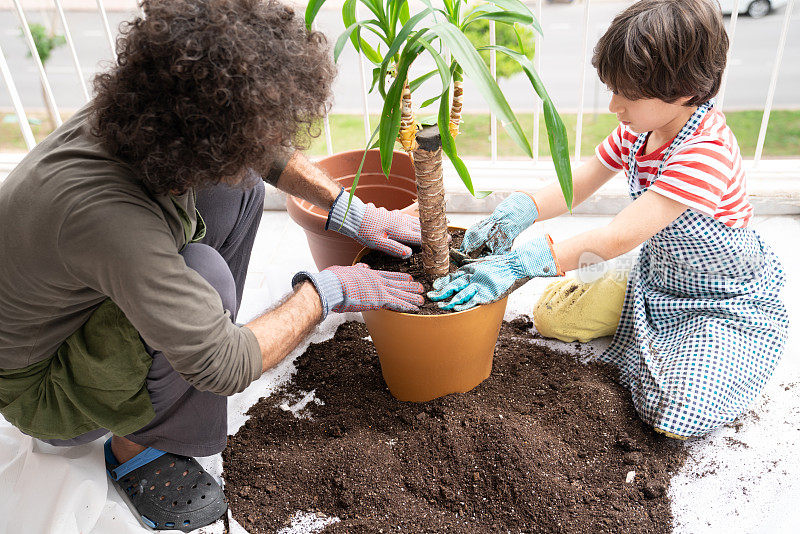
(430, 191)
(408, 126)
(458, 100)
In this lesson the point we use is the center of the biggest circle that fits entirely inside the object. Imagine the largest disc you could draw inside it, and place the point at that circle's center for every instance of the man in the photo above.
(126, 236)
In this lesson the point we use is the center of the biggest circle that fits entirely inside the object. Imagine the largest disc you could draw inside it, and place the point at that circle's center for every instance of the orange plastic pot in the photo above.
(428, 356)
(397, 192)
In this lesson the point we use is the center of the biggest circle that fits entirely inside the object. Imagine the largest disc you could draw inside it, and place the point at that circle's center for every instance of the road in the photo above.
(752, 59)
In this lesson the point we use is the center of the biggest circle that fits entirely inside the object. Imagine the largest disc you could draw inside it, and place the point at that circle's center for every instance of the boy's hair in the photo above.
(203, 90)
(665, 49)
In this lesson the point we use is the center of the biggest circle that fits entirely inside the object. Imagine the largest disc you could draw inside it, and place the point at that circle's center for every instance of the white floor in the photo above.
(741, 480)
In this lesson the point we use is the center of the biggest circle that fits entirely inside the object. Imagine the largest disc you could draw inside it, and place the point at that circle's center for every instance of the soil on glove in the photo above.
(545, 444)
(384, 262)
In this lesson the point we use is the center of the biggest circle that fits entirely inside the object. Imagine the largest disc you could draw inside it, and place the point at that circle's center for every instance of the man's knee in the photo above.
(212, 267)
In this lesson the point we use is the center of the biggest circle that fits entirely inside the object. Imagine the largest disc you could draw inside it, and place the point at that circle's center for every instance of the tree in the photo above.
(46, 41)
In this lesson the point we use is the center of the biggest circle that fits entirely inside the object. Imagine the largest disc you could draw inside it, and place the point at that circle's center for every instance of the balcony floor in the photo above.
(746, 488)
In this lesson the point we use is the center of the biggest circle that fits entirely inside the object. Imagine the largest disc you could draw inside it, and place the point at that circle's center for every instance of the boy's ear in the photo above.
(684, 100)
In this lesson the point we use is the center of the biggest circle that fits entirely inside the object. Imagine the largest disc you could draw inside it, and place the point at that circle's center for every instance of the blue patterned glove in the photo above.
(375, 228)
(487, 279)
(499, 229)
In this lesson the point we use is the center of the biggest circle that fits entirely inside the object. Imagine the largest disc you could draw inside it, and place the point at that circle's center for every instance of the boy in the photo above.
(703, 325)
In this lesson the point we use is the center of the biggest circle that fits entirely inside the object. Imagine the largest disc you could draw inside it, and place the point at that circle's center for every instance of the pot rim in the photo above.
(363, 252)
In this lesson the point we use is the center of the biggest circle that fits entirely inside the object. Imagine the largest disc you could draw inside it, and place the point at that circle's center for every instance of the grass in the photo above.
(347, 132)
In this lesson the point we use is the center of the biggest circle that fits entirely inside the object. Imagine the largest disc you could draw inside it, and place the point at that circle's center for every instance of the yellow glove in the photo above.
(571, 310)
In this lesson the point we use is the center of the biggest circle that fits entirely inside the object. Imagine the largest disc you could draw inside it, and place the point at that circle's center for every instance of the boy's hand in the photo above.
(498, 231)
(487, 279)
(376, 228)
(359, 288)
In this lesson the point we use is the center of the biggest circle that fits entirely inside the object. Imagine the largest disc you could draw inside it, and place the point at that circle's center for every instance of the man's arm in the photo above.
(301, 178)
(587, 179)
(280, 330)
(634, 225)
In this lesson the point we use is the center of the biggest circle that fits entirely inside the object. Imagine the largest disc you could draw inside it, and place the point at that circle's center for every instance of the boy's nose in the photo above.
(614, 105)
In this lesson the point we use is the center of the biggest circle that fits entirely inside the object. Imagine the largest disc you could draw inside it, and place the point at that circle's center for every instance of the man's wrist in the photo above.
(327, 286)
(346, 219)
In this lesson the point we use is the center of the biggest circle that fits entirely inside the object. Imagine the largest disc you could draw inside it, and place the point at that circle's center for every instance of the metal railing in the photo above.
(28, 137)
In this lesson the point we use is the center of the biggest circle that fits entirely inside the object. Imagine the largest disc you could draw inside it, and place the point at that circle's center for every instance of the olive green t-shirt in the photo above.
(77, 227)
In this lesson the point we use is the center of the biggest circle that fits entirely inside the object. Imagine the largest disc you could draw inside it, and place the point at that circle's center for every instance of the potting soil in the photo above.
(413, 265)
(545, 444)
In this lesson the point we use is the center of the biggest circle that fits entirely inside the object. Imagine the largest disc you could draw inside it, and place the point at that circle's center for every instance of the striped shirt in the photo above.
(704, 172)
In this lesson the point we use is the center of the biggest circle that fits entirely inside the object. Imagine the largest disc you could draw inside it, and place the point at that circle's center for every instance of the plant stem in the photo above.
(430, 192)
(458, 100)
(408, 126)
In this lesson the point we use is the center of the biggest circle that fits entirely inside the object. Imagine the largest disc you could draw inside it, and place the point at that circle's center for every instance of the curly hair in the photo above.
(665, 49)
(203, 90)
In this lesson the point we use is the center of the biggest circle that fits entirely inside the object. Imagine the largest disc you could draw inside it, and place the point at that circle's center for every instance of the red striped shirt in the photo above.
(705, 171)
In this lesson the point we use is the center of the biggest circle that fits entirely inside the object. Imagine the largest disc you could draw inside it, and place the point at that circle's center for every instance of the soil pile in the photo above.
(545, 444)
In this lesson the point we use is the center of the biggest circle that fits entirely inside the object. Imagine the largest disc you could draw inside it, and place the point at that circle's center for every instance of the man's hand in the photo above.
(376, 228)
(498, 231)
(359, 288)
(487, 279)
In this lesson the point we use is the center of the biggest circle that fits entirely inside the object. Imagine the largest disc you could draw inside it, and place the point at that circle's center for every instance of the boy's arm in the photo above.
(587, 179)
(634, 225)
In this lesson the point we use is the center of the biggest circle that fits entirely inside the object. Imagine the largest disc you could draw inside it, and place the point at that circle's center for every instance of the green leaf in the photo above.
(405, 14)
(476, 71)
(503, 17)
(441, 65)
(430, 101)
(449, 145)
(402, 37)
(559, 148)
(417, 82)
(556, 131)
(370, 145)
(370, 53)
(311, 11)
(515, 6)
(376, 74)
(340, 42)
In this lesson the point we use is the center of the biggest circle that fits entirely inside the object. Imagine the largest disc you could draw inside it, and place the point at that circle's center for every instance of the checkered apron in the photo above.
(703, 325)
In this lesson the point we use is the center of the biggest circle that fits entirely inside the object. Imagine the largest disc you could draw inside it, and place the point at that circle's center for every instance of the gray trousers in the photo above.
(188, 421)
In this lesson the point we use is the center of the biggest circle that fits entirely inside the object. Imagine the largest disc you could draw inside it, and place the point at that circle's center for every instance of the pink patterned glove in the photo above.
(359, 288)
(376, 228)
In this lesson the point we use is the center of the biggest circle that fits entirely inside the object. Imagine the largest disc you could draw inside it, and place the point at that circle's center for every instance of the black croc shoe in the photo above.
(167, 491)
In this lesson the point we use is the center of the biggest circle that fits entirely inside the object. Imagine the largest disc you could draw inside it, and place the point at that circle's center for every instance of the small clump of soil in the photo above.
(545, 444)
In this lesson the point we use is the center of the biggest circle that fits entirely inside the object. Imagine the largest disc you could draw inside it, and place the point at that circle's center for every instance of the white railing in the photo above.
(8, 77)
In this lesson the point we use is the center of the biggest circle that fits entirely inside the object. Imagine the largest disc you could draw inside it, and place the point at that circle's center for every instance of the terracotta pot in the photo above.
(397, 192)
(428, 356)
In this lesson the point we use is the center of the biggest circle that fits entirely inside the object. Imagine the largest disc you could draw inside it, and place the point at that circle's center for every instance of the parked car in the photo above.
(755, 8)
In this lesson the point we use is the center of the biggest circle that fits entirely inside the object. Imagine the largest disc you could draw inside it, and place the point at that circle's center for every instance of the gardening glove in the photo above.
(498, 231)
(376, 228)
(571, 310)
(359, 288)
(489, 278)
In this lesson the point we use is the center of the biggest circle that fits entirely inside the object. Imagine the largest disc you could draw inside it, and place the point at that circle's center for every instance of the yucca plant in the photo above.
(392, 39)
